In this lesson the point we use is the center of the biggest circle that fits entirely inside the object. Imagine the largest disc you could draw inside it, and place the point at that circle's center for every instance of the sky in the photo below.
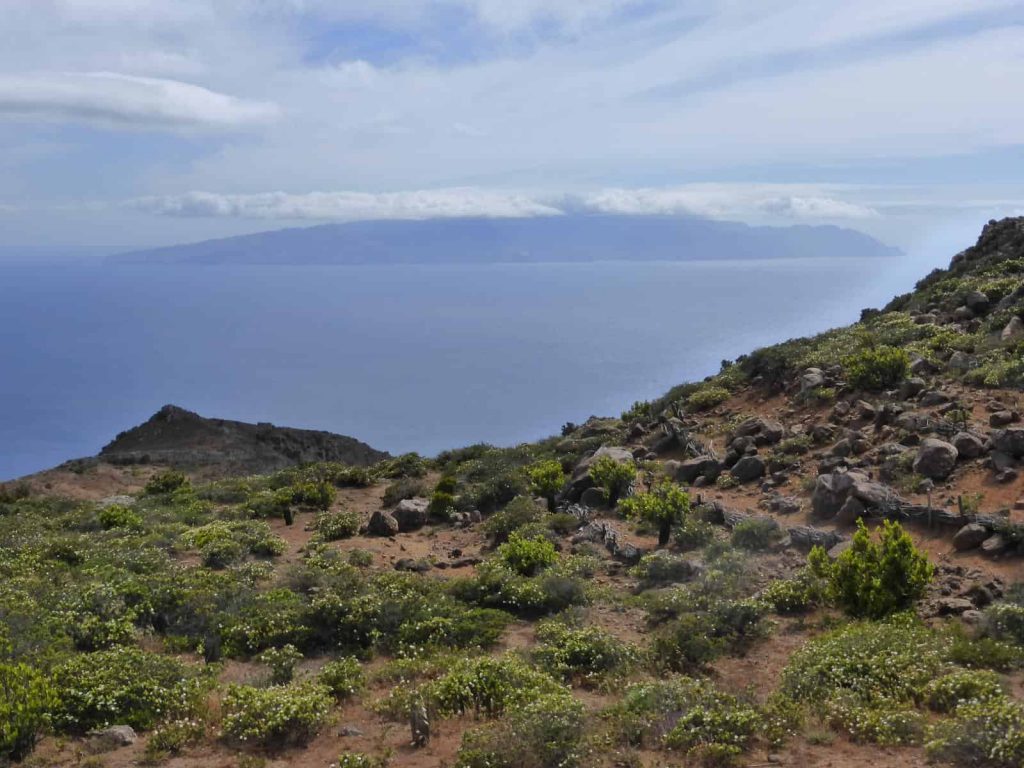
(128, 123)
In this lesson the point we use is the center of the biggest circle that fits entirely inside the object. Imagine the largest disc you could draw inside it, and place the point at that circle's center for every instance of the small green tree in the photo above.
(874, 579)
(665, 505)
(547, 479)
(26, 698)
(527, 556)
(613, 476)
(442, 500)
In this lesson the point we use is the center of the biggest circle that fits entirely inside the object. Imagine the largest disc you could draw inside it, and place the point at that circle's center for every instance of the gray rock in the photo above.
(595, 498)
(872, 494)
(912, 387)
(411, 514)
(830, 493)
(935, 459)
(811, 379)
(970, 537)
(851, 511)
(921, 366)
(912, 421)
(112, 737)
(1013, 330)
(963, 314)
(960, 361)
(763, 432)
(977, 302)
(952, 606)
(382, 524)
(996, 544)
(934, 397)
(1009, 441)
(748, 468)
(968, 445)
(1003, 418)
(413, 565)
(349, 730)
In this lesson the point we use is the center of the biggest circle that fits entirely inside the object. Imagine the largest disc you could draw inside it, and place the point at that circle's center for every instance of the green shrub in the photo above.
(222, 543)
(877, 368)
(872, 579)
(612, 476)
(982, 733)
(887, 723)
(706, 398)
(661, 567)
(26, 699)
(472, 628)
(581, 654)
(722, 727)
(275, 716)
(543, 733)
(360, 558)
(442, 500)
(691, 641)
(123, 686)
(756, 533)
(1004, 621)
(796, 595)
(562, 523)
(331, 526)
(342, 677)
(118, 516)
(664, 506)
(520, 511)
(527, 557)
(546, 480)
(270, 504)
(167, 482)
(265, 620)
(693, 533)
(282, 662)
(316, 494)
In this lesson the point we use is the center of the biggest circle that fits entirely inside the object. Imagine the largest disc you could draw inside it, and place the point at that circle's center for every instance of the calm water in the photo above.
(405, 358)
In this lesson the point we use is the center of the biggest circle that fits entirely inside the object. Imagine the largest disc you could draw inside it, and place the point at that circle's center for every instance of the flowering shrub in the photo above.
(946, 693)
(756, 533)
(171, 738)
(1004, 621)
(796, 595)
(693, 533)
(886, 723)
(488, 686)
(982, 733)
(275, 716)
(546, 731)
(265, 620)
(26, 698)
(342, 677)
(583, 653)
(331, 526)
(124, 686)
(222, 543)
(282, 662)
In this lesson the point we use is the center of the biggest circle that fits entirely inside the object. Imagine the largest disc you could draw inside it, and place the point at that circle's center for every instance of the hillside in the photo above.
(175, 437)
(566, 238)
(712, 579)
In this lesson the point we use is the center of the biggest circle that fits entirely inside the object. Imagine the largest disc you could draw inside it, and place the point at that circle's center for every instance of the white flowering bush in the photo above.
(584, 654)
(282, 662)
(946, 693)
(982, 733)
(223, 542)
(275, 716)
(173, 737)
(342, 677)
(331, 526)
(125, 686)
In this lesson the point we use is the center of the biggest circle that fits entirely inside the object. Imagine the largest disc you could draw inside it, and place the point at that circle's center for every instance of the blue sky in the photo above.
(144, 122)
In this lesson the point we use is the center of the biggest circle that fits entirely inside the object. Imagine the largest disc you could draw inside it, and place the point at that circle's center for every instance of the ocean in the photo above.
(406, 358)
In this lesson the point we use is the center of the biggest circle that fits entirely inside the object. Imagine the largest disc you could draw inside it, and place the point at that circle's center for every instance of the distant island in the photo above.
(568, 238)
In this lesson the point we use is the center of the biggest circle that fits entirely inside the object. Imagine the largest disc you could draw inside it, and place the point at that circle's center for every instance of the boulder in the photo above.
(977, 302)
(763, 432)
(952, 606)
(968, 446)
(996, 544)
(960, 361)
(1009, 441)
(935, 459)
(830, 493)
(871, 494)
(811, 379)
(594, 498)
(411, 514)
(970, 537)
(412, 565)
(912, 387)
(934, 397)
(912, 421)
(689, 470)
(963, 314)
(1013, 330)
(382, 524)
(748, 468)
(851, 511)
(1003, 419)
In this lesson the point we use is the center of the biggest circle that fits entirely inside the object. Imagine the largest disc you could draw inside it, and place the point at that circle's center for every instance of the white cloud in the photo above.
(114, 99)
(734, 201)
(349, 206)
(730, 201)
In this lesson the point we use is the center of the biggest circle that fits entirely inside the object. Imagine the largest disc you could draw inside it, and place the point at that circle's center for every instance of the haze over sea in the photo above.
(403, 357)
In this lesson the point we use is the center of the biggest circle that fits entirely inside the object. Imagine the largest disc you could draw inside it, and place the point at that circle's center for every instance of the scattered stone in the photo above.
(960, 361)
(594, 498)
(349, 731)
(996, 544)
(970, 537)
(851, 511)
(952, 606)
(1003, 418)
(414, 566)
(935, 459)
(977, 302)
(912, 387)
(1014, 330)
(1009, 441)
(934, 397)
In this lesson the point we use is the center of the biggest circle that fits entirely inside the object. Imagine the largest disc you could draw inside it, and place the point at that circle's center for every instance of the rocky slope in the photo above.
(175, 437)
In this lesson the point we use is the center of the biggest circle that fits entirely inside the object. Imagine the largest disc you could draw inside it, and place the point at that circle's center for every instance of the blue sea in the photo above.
(403, 357)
